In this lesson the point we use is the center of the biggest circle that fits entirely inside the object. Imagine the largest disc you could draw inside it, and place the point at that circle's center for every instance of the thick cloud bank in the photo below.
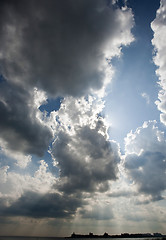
(146, 159)
(37, 205)
(61, 46)
(159, 28)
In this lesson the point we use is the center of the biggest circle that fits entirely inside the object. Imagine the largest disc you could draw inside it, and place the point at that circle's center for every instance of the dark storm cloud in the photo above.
(19, 126)
(58, 45)
(36, 205)
(87, 161)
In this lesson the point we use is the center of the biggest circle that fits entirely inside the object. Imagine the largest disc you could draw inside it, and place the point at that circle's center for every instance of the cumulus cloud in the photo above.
(86, 158)
(20, 128)
(33, 195)
(84, 151)
(18, 157)
(145, 160)
(159, 28)
(14, 184)
(61, 46)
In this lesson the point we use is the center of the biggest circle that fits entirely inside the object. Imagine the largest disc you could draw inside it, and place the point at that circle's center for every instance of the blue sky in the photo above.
(82, 117)
(135, 76)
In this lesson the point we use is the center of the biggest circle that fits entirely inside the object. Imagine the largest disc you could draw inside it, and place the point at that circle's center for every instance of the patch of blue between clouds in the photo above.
(121, 3)
(34, 165)
(53, 104)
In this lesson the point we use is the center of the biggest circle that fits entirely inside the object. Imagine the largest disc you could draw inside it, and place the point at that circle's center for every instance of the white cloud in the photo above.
(14, 184)
(159, 28)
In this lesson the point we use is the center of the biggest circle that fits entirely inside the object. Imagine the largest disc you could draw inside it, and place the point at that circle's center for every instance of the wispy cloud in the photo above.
(146, 97)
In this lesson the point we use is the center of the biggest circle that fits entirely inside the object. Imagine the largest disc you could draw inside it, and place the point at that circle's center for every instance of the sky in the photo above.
(82, 117)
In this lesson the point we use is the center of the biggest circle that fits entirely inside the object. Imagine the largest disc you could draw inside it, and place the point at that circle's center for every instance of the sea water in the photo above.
(31, 238)
(61, 238)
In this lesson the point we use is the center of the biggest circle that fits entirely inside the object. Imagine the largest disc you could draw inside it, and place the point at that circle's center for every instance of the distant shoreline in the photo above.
(122, 235)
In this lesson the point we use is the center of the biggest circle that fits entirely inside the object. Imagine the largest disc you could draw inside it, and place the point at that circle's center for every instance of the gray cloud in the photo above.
(36, 205)
(87, 161)
(148, 172)
(19, 125)
(60, 46)
(145, 160)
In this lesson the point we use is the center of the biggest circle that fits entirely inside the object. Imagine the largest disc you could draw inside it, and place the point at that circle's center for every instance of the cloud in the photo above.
(146, 97)
(14, 184)
(62, 46)
(57, 48)
(84, 151)
(87, 162)
(145, 160)
(159, 28)
(51, 205)
(17, 157)
(87, 155)
(33, 196)
(122, 193)
(20, 128)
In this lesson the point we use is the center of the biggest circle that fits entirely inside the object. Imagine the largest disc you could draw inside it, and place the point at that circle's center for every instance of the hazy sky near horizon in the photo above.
(82, 116)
